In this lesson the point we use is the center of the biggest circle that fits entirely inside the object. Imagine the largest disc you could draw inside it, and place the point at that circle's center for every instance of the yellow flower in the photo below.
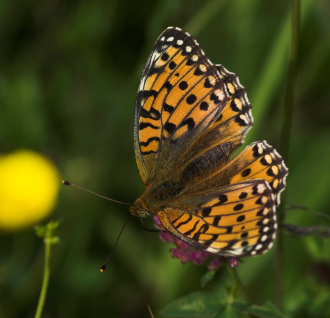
(29, 185)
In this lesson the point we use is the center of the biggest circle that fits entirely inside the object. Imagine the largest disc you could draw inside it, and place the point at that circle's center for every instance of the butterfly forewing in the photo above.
(190, 116)
(181, 93)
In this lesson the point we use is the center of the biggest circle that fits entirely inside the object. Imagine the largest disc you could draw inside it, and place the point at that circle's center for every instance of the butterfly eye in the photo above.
(144, 213)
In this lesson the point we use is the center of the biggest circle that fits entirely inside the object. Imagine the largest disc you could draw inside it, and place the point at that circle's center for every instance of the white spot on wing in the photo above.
(219, 94)
(188, 49)
(265, 229)
(265, 221)
(194, 58)
(264, 238)
(211, 250)
(261, 188)
(237, 251)
(142, 83)
(154, 56)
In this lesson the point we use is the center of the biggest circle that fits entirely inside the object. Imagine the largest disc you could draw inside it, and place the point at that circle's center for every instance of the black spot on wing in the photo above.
(146, 143)
(246, 172)
(191, 99)
(199, 71)
(189, 122)
(238, 207)
(168, 85)
(184, 222)
(165, 56)
(147, 152)
(243, 195)
(204, 106)
(207, 83)
(168, 108)
(206, 211)
(147, 94)
(169, 127)
(215, 98)
(190, 62)
(234, 106)
(216, 220)
(183, 85)
(241, 120)
(191, 230)
(222, 199)
(172, 65)
(143, 125)
(241, 218)
(152, 113)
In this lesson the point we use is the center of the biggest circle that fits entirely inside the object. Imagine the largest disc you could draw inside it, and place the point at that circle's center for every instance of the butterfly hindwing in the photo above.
(257, 161)
(239, 220)
(237, 205)
(260, 161)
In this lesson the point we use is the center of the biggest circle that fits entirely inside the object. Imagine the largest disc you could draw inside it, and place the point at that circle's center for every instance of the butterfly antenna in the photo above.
(68, 183)
(104, 266)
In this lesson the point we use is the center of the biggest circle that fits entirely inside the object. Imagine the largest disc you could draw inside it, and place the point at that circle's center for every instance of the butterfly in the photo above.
(190, 116)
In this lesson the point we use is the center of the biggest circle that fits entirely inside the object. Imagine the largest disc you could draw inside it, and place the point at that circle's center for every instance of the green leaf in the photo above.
(229, 312)
(194, 305)
(240, 304)
(233, 309)
(268, 310)
(207, 277)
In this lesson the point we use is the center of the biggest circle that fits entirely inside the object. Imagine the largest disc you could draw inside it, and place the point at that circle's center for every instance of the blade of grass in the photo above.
(271, 74)
(286, 136)
(210, 9)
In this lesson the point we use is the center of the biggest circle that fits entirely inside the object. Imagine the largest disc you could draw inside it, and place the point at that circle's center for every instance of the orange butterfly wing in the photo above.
(236, 219)
(190, 116)
(181, 93)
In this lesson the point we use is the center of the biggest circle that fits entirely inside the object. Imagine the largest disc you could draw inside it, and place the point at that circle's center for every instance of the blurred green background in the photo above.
(69, 72)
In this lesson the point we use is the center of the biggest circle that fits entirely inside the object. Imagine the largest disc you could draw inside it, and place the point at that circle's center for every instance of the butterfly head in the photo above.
(138, 209)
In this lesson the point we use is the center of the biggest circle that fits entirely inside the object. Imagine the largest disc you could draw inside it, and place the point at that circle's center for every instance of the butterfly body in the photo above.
(190, 116)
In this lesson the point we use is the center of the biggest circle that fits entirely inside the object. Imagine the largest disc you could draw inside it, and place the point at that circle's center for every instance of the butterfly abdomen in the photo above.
(207, 163)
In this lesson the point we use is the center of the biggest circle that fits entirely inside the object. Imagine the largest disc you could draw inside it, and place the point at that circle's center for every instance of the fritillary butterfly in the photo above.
(190, 116)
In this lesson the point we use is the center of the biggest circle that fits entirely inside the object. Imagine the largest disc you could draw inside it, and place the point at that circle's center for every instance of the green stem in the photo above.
(237, 283)
(44, 287)
(48, 233)
(286, 137)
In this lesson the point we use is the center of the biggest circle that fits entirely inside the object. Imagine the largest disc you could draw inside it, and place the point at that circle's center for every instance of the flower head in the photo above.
(29, 184)
(188, 253)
